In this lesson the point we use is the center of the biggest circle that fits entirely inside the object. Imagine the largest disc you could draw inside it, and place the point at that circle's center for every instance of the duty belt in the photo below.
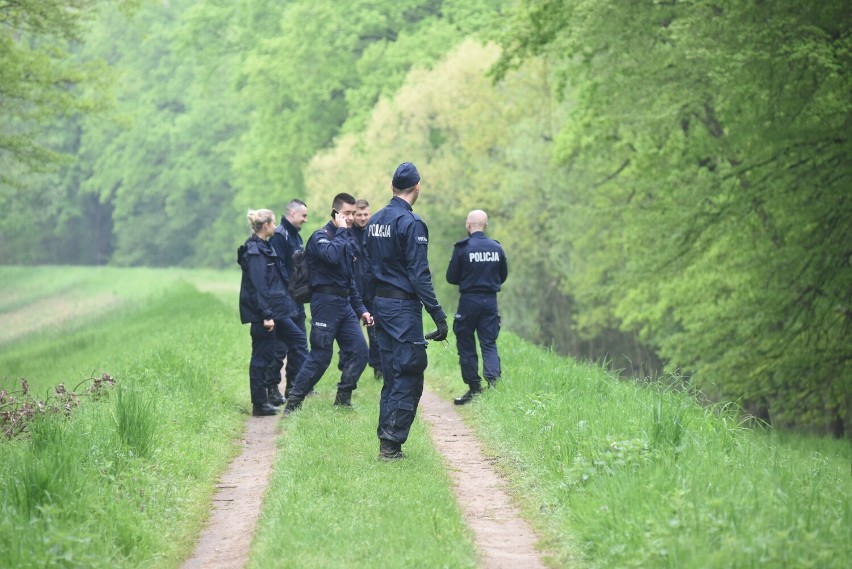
(334, 290)
(395, 293)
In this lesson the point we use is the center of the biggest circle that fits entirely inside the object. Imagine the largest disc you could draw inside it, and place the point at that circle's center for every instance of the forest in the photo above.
(671, 180)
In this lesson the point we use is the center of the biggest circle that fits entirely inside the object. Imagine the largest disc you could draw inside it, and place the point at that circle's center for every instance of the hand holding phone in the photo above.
(338, 218)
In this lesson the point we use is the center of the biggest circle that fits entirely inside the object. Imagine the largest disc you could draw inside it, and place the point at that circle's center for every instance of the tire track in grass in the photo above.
(225, 541)
(502, 537)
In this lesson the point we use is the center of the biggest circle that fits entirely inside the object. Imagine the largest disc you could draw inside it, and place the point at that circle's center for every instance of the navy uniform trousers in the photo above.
(477, 313)
(264, 344)
(332, 318)
(403, 356)
(294, 363)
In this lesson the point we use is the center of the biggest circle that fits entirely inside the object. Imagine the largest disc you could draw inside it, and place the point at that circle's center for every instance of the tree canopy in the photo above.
(718, 135)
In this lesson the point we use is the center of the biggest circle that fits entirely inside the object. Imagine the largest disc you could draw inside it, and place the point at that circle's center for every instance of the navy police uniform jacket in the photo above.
(478, 265)
(286, 241)
(331, 258)
(357, 235)
(263, 290)
(396, 244)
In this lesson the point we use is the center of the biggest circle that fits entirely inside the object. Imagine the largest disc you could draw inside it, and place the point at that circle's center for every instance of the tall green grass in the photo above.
(644, 476)
(126, 480)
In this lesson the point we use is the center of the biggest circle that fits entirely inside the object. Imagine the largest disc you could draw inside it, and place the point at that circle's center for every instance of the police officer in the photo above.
(335, 308)
(358, 230)
(396, 247)
(267, 306)
(286, 240)
(478, 265)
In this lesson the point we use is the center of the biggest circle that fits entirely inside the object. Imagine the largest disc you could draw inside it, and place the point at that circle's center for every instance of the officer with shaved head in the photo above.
(478, 266)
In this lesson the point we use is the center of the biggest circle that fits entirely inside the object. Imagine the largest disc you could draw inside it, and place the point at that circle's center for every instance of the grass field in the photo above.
(611, 474)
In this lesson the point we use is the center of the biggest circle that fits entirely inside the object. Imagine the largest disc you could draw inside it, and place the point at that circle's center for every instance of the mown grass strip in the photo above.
(333, 504)
(622, 475)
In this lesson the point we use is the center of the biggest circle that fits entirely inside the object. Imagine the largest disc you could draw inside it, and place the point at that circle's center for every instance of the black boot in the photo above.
(343, 399)
(275, 397)
(263, 410)
(468, 397)
(492, 381)
(390, 450)
(291, 406)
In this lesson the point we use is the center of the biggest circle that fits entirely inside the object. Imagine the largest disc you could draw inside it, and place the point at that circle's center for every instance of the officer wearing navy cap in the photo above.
(336, 307)
(478, 265)
(396, 246)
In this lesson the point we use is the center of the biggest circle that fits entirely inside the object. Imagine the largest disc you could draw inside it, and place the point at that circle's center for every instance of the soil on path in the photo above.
(504, 540)
(224, 543)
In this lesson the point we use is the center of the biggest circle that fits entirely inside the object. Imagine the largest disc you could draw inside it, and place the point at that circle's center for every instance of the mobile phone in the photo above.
(333, 213)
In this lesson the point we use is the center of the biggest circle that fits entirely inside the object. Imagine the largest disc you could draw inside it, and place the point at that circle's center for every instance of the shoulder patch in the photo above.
(422, 239)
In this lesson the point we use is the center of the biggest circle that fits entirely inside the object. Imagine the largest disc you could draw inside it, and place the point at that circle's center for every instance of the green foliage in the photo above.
(218, 107)
(486, 146)
(357, 56)
(716, 165)
(37, 83)
(668, 179)
(42, 85)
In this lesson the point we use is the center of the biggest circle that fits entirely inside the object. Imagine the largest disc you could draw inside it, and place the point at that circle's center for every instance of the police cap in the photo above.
(406, 176)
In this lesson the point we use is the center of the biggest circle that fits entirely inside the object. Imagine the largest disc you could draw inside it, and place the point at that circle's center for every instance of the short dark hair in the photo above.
(294, 204)
(342, 198)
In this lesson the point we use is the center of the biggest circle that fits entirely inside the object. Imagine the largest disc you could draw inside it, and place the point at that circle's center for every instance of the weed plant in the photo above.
(333, 504)
(125, 480)
(624, 475)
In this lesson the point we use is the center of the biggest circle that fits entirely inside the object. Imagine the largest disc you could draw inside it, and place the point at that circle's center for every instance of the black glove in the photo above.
(440, 334)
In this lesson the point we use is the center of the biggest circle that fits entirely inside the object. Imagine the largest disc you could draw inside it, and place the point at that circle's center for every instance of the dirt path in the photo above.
(224, 543)
(504, 540)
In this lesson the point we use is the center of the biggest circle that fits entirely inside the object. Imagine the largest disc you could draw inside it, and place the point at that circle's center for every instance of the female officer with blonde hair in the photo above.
(266, 305)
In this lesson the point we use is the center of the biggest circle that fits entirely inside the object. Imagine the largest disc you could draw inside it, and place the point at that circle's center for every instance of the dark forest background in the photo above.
(670, 180)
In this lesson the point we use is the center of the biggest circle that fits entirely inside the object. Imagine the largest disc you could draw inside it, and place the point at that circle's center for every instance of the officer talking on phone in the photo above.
(336, 307)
